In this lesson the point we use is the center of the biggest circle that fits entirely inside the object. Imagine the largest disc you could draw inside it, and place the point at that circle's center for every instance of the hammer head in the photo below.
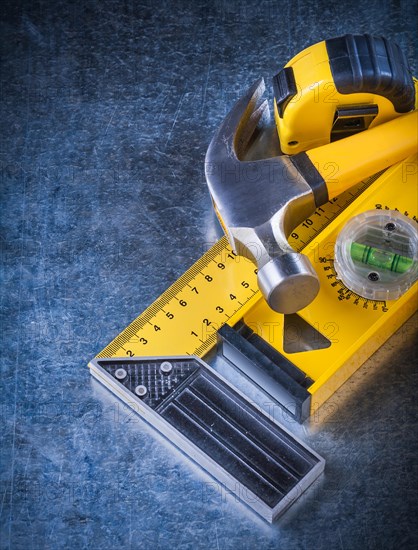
(259, 204)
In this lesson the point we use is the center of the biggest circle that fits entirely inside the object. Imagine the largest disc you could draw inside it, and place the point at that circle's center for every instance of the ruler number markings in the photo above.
(212, 291)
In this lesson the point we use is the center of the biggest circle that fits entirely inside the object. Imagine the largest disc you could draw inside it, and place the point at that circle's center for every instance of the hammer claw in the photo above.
(248, 130)
(239, 125)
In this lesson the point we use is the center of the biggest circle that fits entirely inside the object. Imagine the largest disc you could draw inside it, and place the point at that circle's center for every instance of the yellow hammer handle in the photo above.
(346, 162)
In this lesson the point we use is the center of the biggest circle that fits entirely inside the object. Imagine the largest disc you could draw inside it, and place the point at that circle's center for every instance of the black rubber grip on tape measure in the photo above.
(284, 87)
(372, 64)
(313, 178)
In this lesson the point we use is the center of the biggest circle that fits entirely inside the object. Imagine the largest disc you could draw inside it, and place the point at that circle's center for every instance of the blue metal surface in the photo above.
(107, 110)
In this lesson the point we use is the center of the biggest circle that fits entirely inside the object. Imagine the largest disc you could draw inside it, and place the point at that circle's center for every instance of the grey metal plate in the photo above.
(254, 457)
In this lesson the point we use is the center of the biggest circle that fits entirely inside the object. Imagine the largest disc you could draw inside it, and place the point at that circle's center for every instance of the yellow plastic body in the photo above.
(356, 327)
(343, 163)
(222, 287)
(308, 118)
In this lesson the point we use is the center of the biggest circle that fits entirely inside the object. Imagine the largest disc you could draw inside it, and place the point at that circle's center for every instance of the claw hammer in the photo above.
(260, 202)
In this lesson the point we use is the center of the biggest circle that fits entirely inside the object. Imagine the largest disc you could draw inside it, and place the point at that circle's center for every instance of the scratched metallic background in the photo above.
(107, 110)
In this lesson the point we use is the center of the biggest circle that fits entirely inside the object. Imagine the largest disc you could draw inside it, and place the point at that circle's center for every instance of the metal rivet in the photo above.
(121, 374)
(373, 276)
(141, 391)
(390, 226)
(166, 367)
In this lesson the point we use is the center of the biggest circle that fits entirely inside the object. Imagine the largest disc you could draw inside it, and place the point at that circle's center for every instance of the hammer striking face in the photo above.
(260, 202)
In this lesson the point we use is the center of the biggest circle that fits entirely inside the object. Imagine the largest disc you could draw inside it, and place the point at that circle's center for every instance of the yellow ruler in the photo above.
(222, 288)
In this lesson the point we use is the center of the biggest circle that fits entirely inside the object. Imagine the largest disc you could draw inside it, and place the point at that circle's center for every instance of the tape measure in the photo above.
(339, 87)
(222, 288)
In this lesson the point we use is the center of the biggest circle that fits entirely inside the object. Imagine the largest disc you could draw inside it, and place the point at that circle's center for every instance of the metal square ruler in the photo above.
(221, 289)
(298, 360)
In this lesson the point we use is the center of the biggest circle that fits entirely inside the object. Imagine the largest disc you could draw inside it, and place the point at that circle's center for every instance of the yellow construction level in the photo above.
(222, 288)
